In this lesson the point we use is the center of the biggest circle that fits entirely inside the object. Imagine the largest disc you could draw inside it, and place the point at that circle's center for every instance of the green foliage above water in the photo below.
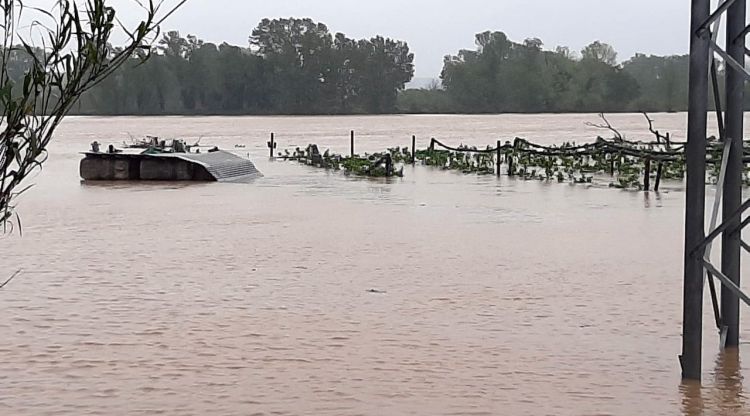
(291, 66)
(297, 66)
(376, 165)
(502, 76)
(615, 162)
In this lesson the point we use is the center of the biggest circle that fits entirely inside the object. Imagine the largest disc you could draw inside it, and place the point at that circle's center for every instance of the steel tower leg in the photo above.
(731, 241)
(695, 192)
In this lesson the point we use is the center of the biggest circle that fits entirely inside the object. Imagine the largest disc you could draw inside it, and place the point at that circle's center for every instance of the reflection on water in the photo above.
(692, 398)
(722, 394)
(143, 186)
(728, 391)
(309, 292)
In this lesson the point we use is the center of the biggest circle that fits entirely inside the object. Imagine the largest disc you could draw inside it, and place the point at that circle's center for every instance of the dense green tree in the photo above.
(504, 76)
(298, 51)
(663, 81)
(600, 52)
(173, 45)
(386, 68)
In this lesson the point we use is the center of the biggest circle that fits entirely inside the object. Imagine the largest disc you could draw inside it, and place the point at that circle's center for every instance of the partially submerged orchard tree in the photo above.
(49, 59)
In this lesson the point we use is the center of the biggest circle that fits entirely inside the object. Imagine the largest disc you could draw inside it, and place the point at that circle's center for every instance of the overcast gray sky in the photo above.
(436, 28)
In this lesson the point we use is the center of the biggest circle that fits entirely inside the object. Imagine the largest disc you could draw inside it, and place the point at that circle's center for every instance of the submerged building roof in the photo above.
(222, 165)
(219, 166)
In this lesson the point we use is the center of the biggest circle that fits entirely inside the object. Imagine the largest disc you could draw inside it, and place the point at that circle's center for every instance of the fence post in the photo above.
(647, 176)
(414, 150)
(352, 145)
(499, 165)
(659, 170)
(271, 146)
(510, 166)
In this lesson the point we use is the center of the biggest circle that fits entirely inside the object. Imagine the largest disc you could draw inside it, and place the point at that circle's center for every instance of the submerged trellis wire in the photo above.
(629, 164)
(627, 160)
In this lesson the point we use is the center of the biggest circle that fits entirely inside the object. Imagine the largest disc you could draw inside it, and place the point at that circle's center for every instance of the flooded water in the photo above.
(308, 292)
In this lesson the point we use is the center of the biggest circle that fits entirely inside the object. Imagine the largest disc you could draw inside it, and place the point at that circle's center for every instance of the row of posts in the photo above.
(272, 146)
(646, 180)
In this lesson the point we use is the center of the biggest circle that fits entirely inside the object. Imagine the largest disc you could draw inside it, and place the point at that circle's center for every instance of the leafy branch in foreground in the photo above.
(66, 52)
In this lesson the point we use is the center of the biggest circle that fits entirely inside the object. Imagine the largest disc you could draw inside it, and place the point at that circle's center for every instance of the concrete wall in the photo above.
(161, 169)
(97, 169)
(106, 167)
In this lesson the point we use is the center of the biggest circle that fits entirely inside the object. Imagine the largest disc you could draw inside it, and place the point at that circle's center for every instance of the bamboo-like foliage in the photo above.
(68, 51)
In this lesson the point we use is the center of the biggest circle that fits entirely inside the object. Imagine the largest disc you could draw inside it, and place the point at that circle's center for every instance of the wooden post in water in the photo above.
(498, 162)
(659, 170)
(510, 166)
(413, 150)
(271, 146)
(352, 146)
(647, 176)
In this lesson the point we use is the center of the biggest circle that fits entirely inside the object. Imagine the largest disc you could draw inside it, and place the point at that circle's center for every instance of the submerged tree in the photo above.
(64, 53)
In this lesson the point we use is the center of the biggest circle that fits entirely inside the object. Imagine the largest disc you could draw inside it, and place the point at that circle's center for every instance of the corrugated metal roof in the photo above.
(223, 165)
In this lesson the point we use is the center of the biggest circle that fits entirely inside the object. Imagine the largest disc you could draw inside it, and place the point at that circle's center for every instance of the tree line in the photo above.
(504, 76)
(297, 66)
(290, 66)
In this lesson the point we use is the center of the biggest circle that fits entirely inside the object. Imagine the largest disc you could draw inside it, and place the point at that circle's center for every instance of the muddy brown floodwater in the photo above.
(491, 296)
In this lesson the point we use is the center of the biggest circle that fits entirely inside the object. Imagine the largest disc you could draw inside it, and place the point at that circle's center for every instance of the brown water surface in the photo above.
(492, 296)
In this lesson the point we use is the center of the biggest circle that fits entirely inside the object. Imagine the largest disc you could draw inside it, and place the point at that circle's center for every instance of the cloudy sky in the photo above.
(434, 28)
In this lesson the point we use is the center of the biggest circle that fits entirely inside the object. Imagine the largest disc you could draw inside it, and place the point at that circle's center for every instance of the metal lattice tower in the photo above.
(704, 48)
